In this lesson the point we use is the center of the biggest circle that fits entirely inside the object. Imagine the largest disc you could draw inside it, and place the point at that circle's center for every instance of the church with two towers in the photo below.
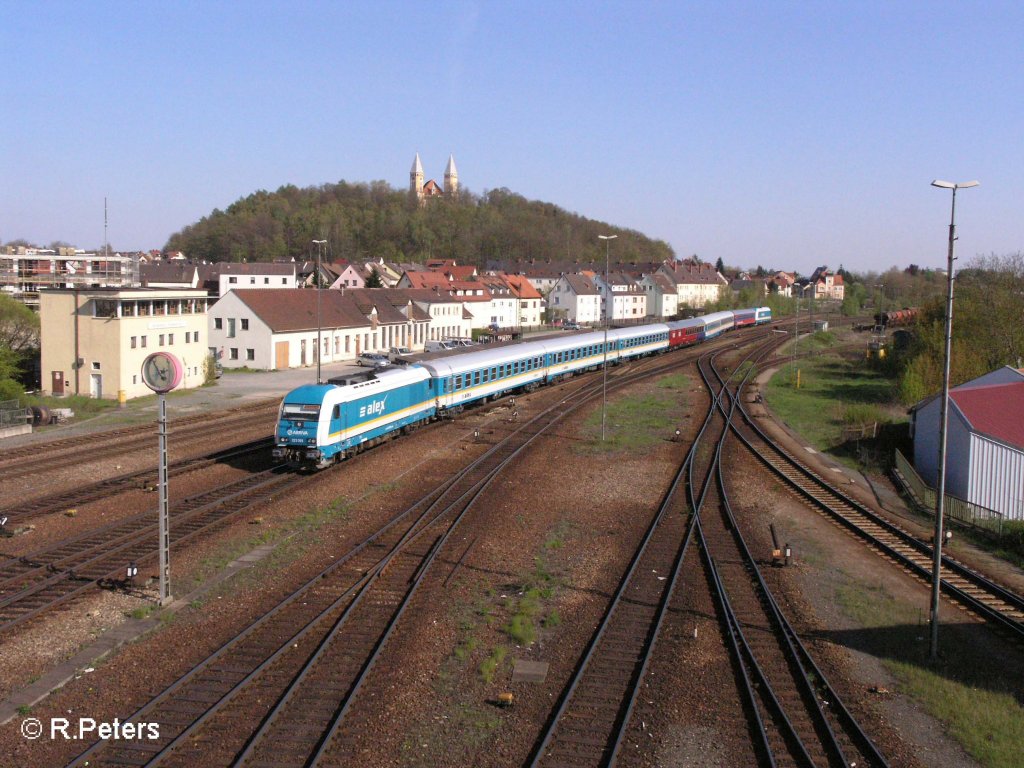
(431, 189)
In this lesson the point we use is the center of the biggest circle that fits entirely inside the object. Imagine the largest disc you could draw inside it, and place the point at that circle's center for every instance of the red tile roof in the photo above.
(295, 309)
(996, 410)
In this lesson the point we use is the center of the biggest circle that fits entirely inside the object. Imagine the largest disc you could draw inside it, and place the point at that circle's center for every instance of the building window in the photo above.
(218, 323)
(105, 308)
(233, 280)
(266, 281)
(143, 341)
(284, 281)
(250, 354)
(231, 327)
(135, 378)
(188, 337)
(134, 340)
(252, 281)
(161, 339)
(95, 366)
(245, 324)
(234, 353)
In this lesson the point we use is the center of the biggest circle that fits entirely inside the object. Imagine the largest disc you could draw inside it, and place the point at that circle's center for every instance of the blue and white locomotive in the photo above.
(323, 423)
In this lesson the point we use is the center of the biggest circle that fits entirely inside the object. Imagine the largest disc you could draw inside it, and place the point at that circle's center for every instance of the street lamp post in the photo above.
(940, 492)
(319, 343)
(607, 320)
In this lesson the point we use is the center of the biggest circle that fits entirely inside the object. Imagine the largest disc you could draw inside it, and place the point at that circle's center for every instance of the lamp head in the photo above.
(954, 185)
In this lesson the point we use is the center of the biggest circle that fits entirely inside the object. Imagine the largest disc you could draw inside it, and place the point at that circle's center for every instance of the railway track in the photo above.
(325, 637)
(42, 580)
(969, 588)
(27, 460)
(147, 478)
(798, 718)
(594, 714)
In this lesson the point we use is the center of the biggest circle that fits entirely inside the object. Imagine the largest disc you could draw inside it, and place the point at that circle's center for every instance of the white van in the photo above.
(439, 346)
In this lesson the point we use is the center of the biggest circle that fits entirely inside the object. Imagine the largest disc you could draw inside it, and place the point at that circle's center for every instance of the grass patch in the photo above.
(489, 666)
(84, 407)
(289, 546)
(634, 422)
(974, 693)
(24, 709)
(141, 612)
(834, 392)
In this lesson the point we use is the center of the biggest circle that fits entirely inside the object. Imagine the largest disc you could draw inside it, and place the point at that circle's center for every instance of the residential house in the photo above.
(662, 296)
(530, 310)
(232, 276)
(697, 284)
(575, 297)
(277, 329)
(623, 300)
(825, 285)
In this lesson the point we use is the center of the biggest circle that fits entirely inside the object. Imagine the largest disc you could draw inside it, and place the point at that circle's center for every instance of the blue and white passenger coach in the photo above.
(321, 423)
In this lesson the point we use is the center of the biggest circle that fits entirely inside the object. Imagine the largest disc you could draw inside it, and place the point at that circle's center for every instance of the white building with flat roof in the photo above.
(93, 341)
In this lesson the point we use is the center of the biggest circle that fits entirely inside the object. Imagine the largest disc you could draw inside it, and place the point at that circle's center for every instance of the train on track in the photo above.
(897, 317)
(319, 424)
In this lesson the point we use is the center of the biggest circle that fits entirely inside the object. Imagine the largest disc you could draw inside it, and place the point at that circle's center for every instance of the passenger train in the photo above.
(319, 424)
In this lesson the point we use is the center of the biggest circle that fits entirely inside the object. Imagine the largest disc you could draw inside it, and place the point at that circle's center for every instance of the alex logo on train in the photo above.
(372, 409)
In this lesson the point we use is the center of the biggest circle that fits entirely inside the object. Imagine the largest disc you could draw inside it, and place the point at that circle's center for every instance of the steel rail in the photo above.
(619, 710)
(84, 494)
(265, 621)
(921, 569)
(815, 685)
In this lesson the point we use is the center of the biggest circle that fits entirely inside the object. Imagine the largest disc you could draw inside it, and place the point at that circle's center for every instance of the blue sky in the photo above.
(783, 134)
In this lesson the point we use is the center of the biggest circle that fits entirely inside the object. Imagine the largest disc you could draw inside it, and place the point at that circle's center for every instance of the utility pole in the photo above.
(940, 493)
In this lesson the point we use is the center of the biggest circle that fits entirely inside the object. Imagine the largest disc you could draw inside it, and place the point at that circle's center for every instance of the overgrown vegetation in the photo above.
(988, 322)
(370, 221)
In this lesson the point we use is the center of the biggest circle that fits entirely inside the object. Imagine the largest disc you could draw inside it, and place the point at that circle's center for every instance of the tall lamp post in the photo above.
(319, 343)
(940, 493)
(607, 320)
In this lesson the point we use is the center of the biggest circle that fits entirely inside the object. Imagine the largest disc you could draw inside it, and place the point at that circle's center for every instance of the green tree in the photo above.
(19, 326)
(374, 281)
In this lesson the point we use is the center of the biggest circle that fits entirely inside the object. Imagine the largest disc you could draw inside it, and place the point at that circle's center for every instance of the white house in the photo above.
(575, 297)
(275, 329)
(530, 310)
(233, 276)
(662, 295)
(697, 285)
(628, 300)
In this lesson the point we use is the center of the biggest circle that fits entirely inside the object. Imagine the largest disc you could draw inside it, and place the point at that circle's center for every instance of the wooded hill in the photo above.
(364, 221)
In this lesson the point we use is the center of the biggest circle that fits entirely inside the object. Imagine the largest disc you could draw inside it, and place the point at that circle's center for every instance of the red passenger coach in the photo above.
(682, 333)
(744, 317)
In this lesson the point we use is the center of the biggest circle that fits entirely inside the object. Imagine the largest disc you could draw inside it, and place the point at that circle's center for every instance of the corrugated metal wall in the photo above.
(997, 477)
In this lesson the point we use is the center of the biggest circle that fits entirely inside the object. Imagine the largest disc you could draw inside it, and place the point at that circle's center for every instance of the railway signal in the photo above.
(162, 372)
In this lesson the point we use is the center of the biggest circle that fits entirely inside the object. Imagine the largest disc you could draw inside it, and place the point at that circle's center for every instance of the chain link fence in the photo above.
(11, 414)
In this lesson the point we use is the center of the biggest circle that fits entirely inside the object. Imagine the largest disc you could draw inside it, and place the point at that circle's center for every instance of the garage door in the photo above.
(281, 355)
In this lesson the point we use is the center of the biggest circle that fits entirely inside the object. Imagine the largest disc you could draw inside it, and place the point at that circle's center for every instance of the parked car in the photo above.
(570, 325)
(372, 360)
(439, 346)
(396, 352)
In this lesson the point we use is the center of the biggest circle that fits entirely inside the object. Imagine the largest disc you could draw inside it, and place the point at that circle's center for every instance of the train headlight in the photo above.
(311, 441)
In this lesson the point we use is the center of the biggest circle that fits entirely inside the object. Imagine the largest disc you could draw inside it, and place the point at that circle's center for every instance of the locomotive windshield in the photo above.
(298, 412)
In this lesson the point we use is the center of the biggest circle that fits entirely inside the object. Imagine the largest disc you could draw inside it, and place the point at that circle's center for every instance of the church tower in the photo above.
(416, 178)
(451, 178)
